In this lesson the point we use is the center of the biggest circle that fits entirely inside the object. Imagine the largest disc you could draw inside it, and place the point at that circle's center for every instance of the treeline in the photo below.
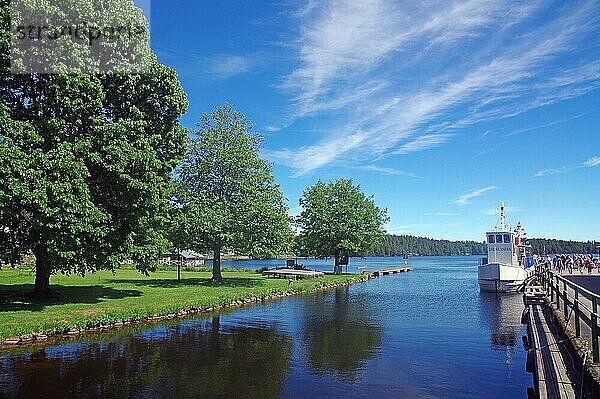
(399, 245)
(553, 246)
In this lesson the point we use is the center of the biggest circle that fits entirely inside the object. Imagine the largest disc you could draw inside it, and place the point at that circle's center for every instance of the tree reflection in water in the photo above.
(188, 359)
(339, 335)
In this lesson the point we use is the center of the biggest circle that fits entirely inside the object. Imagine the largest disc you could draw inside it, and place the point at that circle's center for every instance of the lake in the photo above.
(428, 333)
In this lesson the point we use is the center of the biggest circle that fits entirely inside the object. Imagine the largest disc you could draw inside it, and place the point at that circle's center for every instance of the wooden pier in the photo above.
(385, 272)
(547, 357)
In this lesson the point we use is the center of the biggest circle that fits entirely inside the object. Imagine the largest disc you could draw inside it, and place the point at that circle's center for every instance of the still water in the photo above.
(429, 333)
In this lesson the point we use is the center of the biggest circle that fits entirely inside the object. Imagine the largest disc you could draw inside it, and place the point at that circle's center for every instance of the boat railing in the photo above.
(579, 307)
(483, 261)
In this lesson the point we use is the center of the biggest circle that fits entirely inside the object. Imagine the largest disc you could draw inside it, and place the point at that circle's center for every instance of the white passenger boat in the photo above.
(507, 265)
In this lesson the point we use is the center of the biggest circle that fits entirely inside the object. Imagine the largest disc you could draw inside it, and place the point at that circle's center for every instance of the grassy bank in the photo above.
(104, 299)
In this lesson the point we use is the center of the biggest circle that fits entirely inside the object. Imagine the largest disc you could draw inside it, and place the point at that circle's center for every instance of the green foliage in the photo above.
(399, 245)
(226, 195)
(118, 28)
(553, 246)
(338, 220)
(85, 163)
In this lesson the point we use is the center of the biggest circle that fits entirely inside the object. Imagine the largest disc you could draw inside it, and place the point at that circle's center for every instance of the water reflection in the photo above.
(339, 335)
(423, 334)
(198, 358)
(503, 311)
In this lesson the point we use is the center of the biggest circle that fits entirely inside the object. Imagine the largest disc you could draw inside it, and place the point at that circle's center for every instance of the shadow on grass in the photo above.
(194, 282)
(20, 297)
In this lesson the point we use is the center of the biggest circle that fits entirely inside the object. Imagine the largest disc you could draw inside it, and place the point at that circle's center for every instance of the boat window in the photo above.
(499, 238)
(507, 238)
(491, 239)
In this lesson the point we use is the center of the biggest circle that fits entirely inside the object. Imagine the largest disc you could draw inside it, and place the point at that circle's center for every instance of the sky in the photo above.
(440, 110)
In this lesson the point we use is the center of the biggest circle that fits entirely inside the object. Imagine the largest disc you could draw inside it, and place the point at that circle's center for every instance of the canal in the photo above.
(429, 333)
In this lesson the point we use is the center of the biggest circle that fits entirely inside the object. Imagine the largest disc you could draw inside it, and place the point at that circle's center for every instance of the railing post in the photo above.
(576, 311)
(550, 286)
(594, 326)
(565, 300)
(557, 293)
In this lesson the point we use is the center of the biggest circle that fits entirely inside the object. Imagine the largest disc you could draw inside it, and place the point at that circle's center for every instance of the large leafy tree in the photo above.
(227, 195)
(85, 163)
(338, 220)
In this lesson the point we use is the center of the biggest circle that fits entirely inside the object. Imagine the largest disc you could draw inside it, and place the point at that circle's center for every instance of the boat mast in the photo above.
(503, 224)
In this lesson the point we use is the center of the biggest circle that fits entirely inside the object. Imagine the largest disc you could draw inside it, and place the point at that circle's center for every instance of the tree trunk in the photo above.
(217, 278)
(337, 269)
(42, 273)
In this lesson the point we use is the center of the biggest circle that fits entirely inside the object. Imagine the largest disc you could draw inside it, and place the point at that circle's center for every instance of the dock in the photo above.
(388, 271)
(547, 358)
(292, 273)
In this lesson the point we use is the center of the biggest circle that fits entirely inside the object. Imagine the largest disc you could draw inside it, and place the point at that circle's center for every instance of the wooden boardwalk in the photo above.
(385, 272)
(548, 358)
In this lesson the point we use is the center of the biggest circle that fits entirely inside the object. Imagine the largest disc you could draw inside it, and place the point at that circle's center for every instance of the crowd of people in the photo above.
(570, 263)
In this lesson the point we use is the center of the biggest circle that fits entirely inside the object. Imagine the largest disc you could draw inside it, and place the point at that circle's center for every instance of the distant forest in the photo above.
(563, 247)
(399, 245)
(393, 245)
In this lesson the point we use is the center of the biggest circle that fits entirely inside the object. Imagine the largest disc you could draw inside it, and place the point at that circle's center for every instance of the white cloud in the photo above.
(440, 214)
(465, 199)
(354, 53)
(496, 211)
(423, 143)
(307, 159)
(388, 171)
(225, 66)
(271, 128)
(549, 124)
(592, 162)
(552, 171)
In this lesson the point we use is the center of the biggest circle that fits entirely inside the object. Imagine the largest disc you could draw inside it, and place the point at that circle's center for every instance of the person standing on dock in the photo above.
(570, 262)
(559, 264)
(589, 264)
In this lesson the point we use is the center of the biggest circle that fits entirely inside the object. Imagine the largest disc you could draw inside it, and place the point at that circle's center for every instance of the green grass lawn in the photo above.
(127, 295)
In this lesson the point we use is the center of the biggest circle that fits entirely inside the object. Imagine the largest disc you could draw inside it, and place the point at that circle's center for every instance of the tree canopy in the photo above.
(554, 246)
(399, 245)
(338, 220)
(227, 197)
(85, 164)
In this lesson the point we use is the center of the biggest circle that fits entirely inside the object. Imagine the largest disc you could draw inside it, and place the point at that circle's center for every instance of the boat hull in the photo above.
(498, 277)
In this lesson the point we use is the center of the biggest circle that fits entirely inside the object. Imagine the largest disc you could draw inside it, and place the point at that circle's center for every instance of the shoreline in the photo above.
(89, 327)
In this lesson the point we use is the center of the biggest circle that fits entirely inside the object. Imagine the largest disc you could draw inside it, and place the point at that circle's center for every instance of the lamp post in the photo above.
(179, 266)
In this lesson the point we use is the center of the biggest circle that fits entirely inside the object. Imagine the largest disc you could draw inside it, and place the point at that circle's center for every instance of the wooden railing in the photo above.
(579, 306)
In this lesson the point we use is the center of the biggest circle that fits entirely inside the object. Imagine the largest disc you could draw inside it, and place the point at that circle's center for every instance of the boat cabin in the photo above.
(502, 247)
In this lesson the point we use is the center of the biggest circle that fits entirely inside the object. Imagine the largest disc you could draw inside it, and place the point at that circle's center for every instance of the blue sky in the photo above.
(439, 109)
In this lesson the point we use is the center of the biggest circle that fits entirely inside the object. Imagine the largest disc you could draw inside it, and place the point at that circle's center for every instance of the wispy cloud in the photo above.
(440, 214)
(352, 55)
(590, 163)
(423, 143)
(387, 171)
(553, 171)
(549, 124)
(465, 199)
(225, 66)
(496, 211)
